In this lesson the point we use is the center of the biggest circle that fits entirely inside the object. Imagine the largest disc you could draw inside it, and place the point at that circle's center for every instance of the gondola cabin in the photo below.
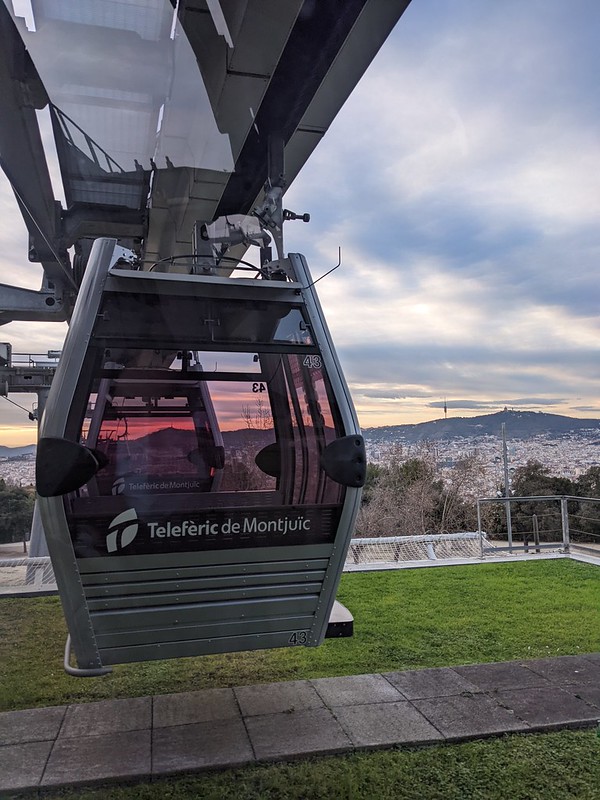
(199, 463)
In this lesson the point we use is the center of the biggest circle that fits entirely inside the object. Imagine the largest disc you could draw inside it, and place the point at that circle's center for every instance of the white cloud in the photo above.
(460, 180)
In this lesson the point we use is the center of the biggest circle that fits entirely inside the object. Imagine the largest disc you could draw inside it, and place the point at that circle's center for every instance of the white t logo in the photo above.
(122, 530)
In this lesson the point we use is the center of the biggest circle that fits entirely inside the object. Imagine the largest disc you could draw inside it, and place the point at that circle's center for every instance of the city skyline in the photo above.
(567, 455)
(460, 182)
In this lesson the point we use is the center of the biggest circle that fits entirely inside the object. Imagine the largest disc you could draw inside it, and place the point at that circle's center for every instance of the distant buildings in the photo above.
(568, 455)
(19, 470)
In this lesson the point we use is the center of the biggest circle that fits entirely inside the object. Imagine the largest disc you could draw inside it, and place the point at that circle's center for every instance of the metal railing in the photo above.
(27, 575)
(573, 523)
(560, 526)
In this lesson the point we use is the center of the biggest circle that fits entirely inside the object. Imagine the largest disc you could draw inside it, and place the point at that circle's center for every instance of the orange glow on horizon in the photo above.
(369, 417)
(18, 435)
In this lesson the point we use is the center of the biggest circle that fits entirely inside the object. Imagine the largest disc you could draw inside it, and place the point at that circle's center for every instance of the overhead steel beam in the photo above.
(236, 69)
(27, 380)
(22, 154)
(328, 50)
(292, 86)
(17, 303)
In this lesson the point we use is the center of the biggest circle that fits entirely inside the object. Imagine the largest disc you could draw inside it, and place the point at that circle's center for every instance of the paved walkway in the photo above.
(149, 737)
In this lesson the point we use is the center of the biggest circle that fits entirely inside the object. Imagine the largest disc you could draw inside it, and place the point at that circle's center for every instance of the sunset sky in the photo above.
(461, 180)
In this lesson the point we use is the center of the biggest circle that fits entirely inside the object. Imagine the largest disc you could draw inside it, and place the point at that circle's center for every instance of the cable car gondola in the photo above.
(199, 465)
(199, 462)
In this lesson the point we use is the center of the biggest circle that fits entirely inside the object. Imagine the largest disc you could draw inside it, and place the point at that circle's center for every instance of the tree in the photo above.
(16, 512)
(398, 498)
(585, 525)
(534, 479)
(465, 484)
(408, 497)
(588, 484)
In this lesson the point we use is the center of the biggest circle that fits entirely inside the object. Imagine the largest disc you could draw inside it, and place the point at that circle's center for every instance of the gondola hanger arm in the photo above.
(339, 264)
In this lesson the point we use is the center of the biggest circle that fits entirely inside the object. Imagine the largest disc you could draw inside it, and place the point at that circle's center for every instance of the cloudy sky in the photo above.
(461, 181)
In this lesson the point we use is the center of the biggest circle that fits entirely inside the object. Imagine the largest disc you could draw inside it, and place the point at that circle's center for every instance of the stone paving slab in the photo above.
(503, 675)
(31, 725)
(208, 705)
(567, 669)
(592, 657)
(205, 745)
(381, 724)
(356, 690)
(107, 716)
(547, 707)
(299, 734)
(590, 694)
(470, 716)
(275, 698)
(22, 765)
(423, 683)
(89, 759)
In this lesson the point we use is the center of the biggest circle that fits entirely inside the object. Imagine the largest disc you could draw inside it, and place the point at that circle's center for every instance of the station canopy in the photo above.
(160, 113)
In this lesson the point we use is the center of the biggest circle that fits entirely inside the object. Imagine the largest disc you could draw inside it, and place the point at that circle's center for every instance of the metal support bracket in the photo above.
(44, 305)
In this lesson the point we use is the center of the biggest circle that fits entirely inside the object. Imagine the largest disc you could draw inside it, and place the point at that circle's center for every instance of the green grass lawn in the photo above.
(407, 619)
(404, 619)
(555, 766)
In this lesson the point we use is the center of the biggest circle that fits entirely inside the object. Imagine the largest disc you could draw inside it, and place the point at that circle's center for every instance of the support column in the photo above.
(37, 541)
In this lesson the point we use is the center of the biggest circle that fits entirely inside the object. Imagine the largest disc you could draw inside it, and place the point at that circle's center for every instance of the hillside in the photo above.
(519, 425)
(17, 452)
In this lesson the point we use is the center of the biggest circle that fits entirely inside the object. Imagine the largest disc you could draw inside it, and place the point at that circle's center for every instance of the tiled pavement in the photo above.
(145, 737)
